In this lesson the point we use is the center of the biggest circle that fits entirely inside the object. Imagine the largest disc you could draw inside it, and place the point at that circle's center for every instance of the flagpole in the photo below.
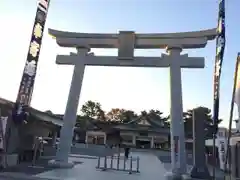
(220, 46)
(23, 100)
(231, 111)
(28, 78)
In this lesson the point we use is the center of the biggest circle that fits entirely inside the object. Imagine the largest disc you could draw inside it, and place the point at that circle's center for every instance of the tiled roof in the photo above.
(139, 123)
(154, 123)
(145, 123)
(44, 116)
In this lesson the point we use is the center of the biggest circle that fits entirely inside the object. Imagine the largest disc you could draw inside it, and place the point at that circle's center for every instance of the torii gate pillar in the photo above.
(70, 115)
(176, 111)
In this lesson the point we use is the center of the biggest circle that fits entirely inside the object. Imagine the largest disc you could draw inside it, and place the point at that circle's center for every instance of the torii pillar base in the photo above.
(177, 176)
(200, 174)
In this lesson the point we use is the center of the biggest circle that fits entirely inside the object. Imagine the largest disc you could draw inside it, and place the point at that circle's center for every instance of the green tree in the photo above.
(121, 115)
(115, 114)
(82, 121)
(93, 110)
(157, 116)
(203, 112)
(128, 115)
(144, 114)
(101, 115)
(167, 121)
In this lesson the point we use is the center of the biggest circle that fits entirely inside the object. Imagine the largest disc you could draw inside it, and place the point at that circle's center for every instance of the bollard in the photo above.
(124, 163)
(98, 164)
(105, 164)
(138, 164)
(112, 162)
(118, 161)
(131, 161)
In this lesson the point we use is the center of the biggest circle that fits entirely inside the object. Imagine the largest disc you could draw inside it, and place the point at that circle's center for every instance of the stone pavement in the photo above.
(165, 158)
(150, 168)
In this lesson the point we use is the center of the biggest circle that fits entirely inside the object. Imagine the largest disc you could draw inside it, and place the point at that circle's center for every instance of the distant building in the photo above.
(38, 124)
(140, 132)
(222, 135)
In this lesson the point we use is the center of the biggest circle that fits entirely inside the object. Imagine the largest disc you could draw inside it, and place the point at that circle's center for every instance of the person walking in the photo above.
(127, 150)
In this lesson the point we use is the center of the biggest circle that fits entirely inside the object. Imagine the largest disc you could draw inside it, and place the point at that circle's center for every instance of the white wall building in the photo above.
(221, 143)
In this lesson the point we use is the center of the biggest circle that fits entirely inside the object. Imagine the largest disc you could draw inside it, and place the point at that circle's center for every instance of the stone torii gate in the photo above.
(126, 42)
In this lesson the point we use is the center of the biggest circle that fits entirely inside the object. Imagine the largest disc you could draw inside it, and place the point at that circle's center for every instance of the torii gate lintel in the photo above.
(163, 61)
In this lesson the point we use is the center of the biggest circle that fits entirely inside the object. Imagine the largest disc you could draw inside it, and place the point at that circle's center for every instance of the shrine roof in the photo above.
(40, 115)
(138, 124)
(125, 127)
(147, 121)
(144, 124)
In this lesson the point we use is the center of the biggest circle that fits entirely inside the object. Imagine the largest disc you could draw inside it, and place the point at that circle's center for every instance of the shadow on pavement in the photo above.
(165, 158)
(27, 168)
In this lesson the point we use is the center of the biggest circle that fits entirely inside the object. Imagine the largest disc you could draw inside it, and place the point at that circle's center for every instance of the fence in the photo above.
(118, 163)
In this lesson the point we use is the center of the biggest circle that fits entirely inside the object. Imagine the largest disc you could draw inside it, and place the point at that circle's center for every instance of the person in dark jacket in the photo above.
(127, 149)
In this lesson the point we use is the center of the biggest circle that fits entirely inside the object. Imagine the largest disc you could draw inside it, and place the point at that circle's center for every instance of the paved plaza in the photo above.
(150, 168)
(152, 165)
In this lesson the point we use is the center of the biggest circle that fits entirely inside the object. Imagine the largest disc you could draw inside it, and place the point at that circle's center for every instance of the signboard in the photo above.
(27, 82)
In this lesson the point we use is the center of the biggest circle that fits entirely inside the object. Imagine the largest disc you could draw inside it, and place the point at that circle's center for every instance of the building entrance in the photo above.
(144, 144)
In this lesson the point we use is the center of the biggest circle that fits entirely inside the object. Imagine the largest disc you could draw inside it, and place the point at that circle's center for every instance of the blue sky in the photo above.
(130, 88)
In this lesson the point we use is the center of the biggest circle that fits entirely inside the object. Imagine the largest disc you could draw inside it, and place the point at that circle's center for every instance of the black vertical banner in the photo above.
(220, 46)
(29, 73)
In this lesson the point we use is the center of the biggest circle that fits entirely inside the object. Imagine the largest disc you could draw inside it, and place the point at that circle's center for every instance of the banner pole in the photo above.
(231, 112)
(23, 100)
(220, 46)
(28, 78)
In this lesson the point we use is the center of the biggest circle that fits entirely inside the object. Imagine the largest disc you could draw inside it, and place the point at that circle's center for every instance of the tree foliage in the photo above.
(93, 110)
(203, 112)
(115, 114)
(121, 115)
(155, 115)
(128, 115)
